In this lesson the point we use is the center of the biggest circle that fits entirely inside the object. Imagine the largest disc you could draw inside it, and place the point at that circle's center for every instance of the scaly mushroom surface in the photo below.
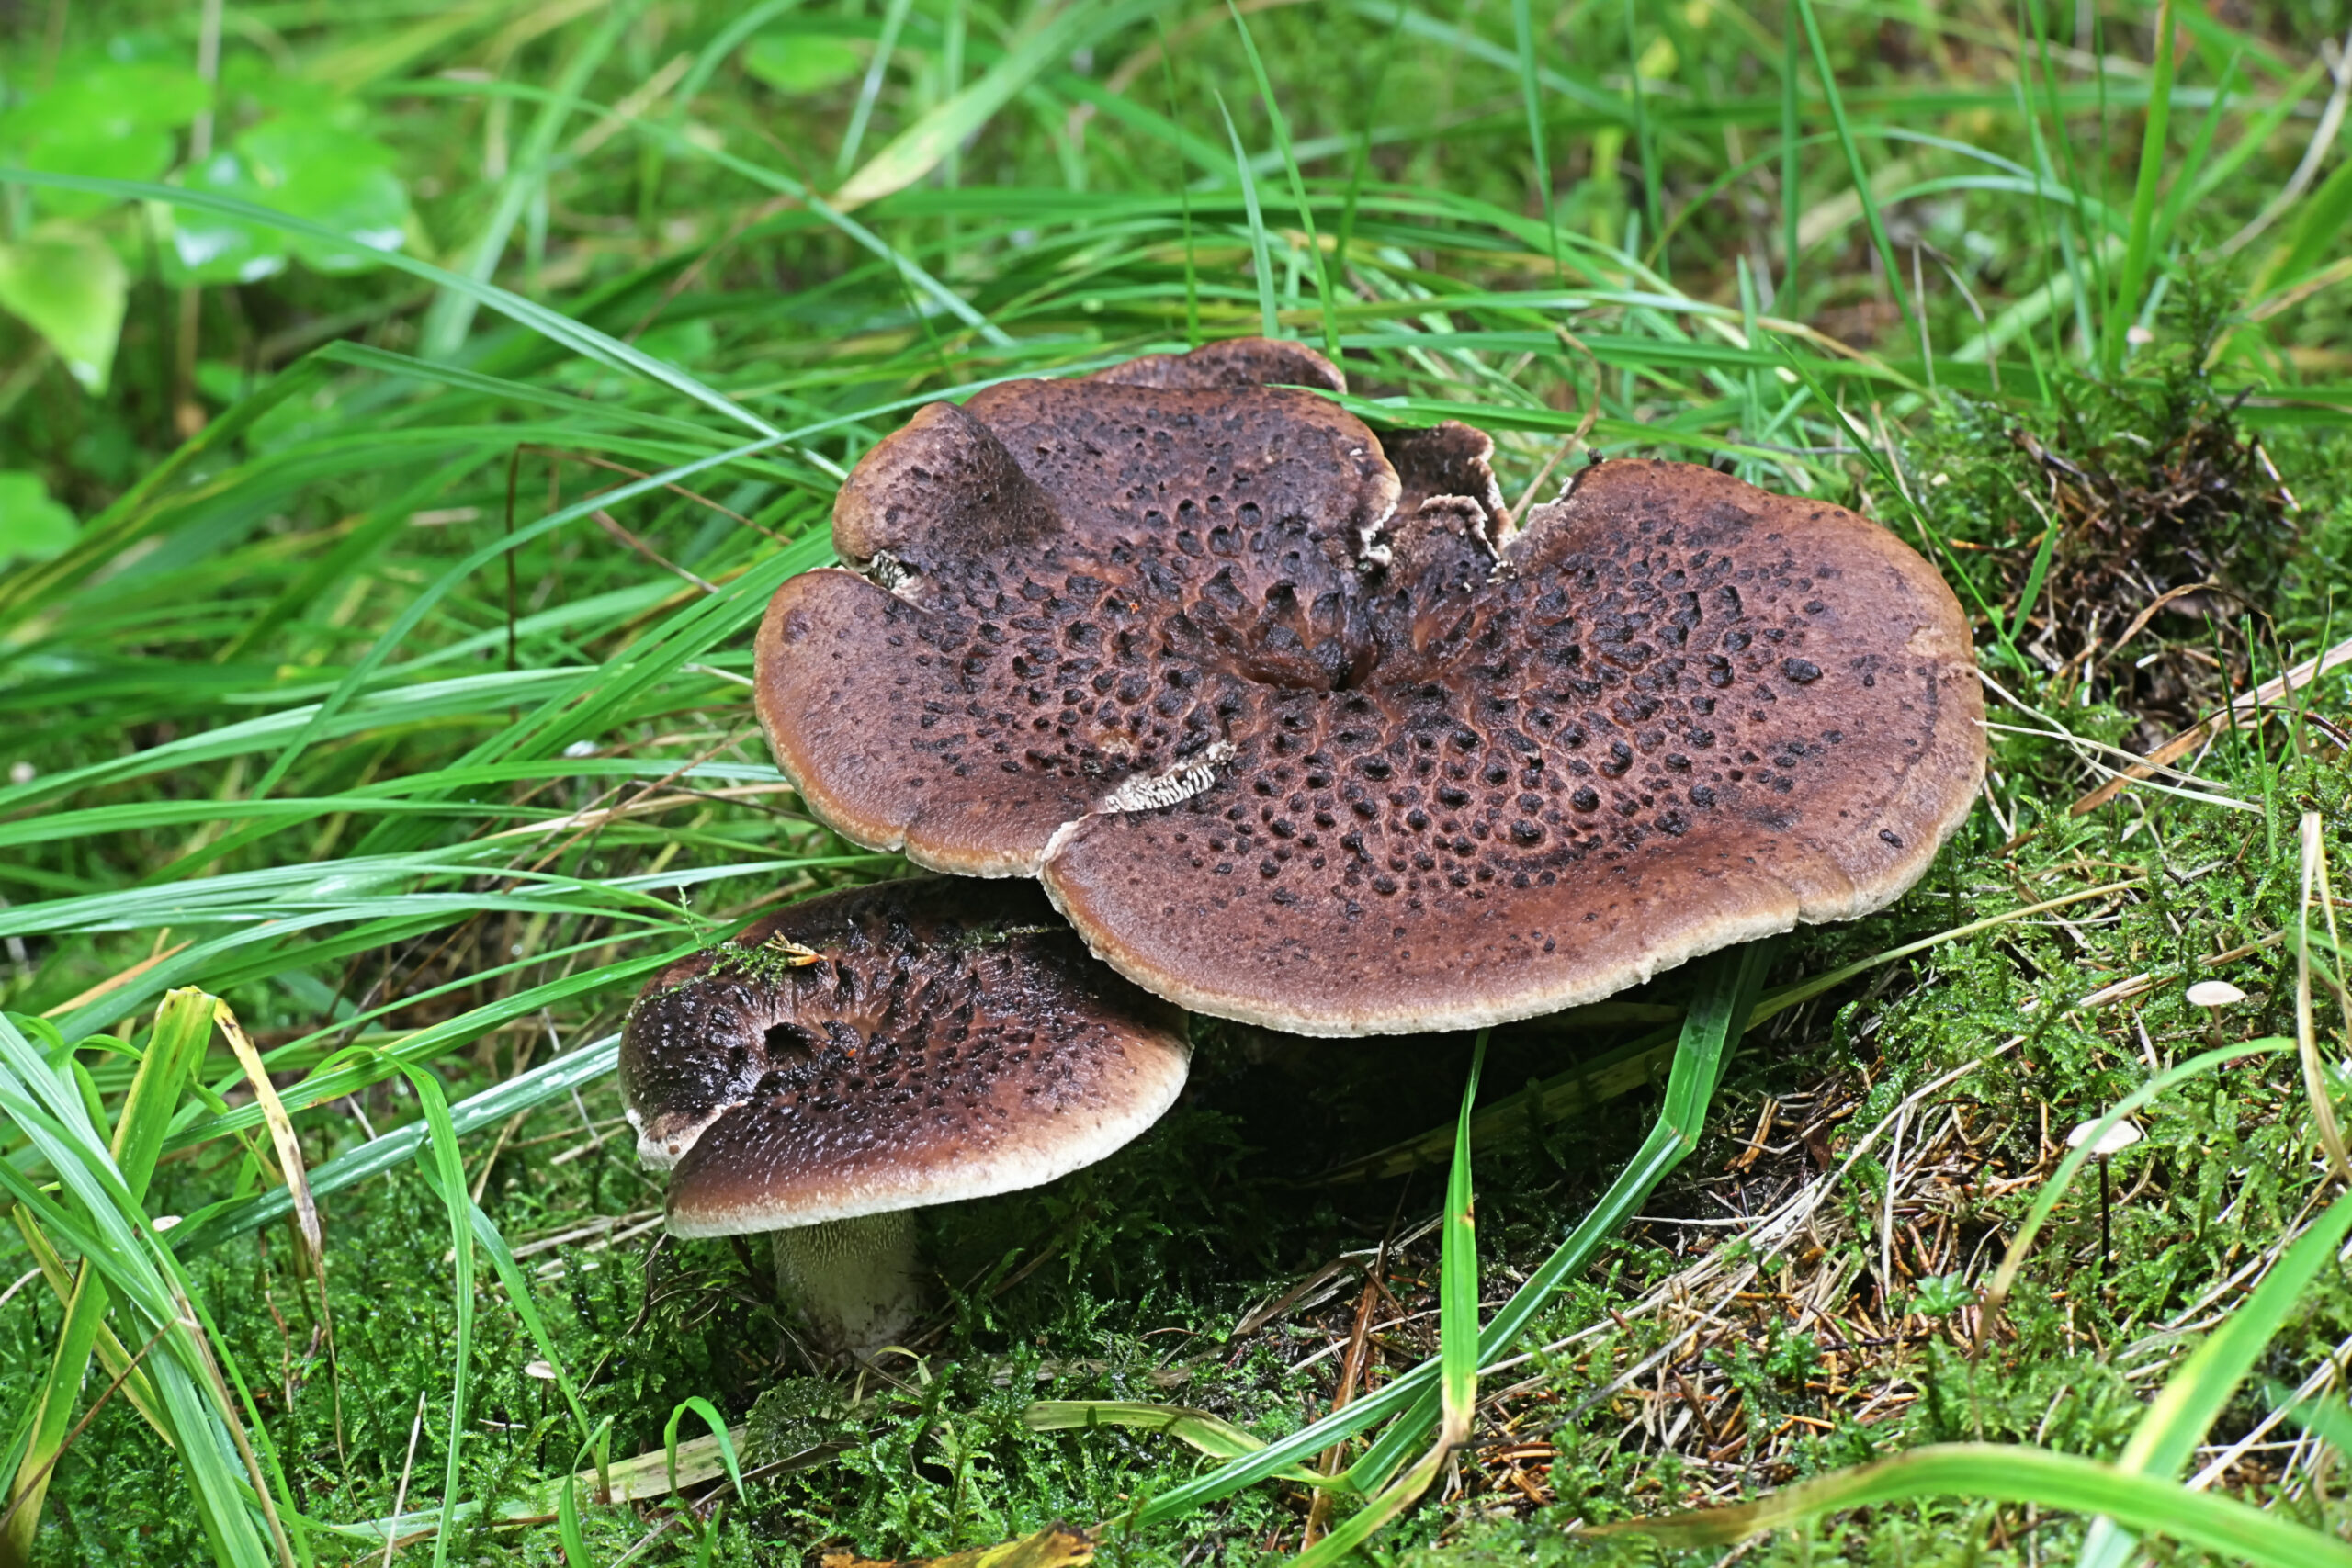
(1296, 730)
(878, 1050)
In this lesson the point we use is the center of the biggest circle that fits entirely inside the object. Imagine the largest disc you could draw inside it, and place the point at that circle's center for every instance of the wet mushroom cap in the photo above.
(1296, 731)
(949, 1040)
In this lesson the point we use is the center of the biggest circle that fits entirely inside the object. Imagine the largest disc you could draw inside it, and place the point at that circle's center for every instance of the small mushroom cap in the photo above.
(2121, 1136)
(2214, 994)
(949, 1040)
(1296, 731)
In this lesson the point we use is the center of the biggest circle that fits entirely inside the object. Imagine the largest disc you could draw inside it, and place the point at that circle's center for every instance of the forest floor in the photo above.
(375, 691)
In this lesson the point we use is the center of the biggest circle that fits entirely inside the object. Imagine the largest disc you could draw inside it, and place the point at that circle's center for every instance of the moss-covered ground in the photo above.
(289, 728)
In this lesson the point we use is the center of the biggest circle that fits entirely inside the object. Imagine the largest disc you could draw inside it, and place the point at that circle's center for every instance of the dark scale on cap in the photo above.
(1342, 757)
(948, 1040)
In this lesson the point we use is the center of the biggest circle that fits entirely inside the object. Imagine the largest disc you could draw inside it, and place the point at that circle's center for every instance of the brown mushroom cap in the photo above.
(950, 1040)
(1287, 752)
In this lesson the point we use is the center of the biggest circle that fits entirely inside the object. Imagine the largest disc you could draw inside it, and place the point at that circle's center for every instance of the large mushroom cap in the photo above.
(1295, 733)
(946, 1040)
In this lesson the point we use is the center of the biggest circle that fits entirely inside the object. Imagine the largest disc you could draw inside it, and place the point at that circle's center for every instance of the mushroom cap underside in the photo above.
(949, 1040)
(1286, 751)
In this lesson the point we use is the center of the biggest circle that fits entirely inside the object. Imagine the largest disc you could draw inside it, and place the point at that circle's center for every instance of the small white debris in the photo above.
(22, 773)
(1939, 481)
(2118, 1138)
(2139, 337)
(1181, 782)
(2214, 994)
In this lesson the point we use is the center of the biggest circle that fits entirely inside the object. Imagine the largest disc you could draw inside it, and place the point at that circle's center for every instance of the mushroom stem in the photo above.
(853, 1281)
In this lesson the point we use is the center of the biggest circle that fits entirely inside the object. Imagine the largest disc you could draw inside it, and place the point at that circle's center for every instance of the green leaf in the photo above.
(212, 247)
(111, 98)
(332, 177)
(32, 527)
(71, 288)
(112, 120)
(795, 64)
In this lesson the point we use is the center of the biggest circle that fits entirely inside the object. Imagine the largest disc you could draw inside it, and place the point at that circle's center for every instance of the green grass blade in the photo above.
(2330, 1420)
(1531, 101)
(2191, 170)
(1725, 987)
(2033, 580)
(573, 1541)
(560, 1076)
(2318, 234)
(553, 324)
(451, 314)
(1458, 1349)
(107, 1225)
(1280, 126)
(717, 1425)
(1360, 154)
(1784, 297)
(418, 607)
(2123, 311)
(2201, 1387)
(919, 149)
(1645, 137)
(1854, 168)
(2017, 1473)
(1997, 1290)
(182, 1028)
(674, 140)
(1196, 1428)
(1457, 1292)
(447, 1167)
(567, 1503)
(894, 18)
(1269, 319)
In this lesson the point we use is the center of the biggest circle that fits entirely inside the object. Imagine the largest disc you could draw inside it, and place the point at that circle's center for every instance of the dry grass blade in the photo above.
(2240, 711)
(2314, 884)
(281, 1132)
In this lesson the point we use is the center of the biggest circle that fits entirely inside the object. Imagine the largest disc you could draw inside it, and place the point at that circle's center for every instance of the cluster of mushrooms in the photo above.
(1206, 698)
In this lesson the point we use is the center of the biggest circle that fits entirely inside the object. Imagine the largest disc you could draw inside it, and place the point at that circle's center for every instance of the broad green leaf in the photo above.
(110, 120)
(332, 177)
(108, 98)
(32, 527)
(71, 288)
(212, 247)
(795, 64)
